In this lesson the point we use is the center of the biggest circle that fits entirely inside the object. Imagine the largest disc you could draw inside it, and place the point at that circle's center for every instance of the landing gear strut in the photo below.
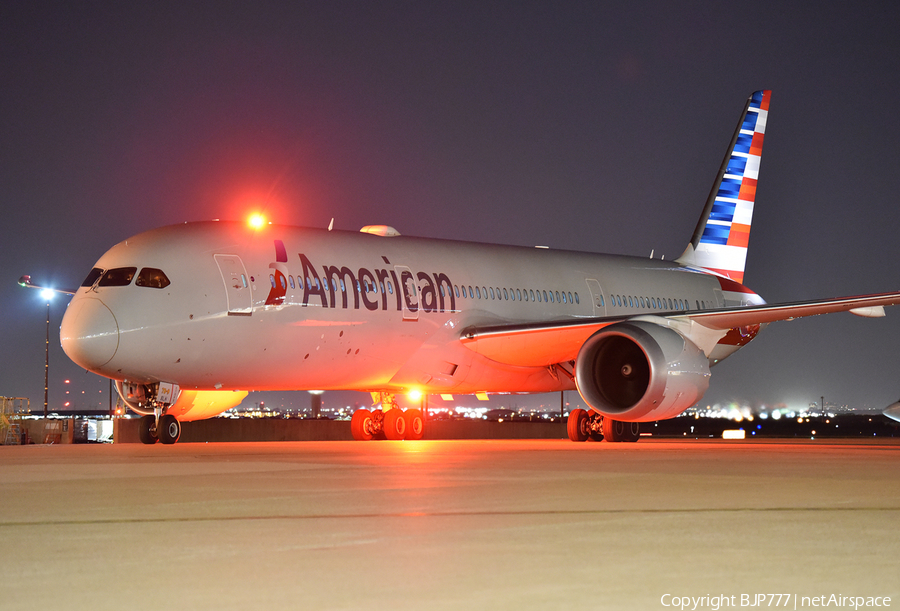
(583, 425)
(392, 423)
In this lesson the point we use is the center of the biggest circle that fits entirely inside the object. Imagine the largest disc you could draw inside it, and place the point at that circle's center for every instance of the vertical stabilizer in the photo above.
(723, 232)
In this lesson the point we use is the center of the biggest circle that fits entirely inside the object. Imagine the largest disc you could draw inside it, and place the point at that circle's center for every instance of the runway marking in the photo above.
(440, 514)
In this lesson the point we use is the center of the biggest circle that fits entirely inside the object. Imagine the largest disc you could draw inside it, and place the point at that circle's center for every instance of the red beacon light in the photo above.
(256, 221)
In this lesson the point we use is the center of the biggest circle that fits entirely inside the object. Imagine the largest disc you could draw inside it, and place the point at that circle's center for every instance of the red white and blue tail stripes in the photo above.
(723, 233)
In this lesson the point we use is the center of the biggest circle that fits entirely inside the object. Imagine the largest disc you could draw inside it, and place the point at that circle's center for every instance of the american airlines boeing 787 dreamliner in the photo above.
(187, 318)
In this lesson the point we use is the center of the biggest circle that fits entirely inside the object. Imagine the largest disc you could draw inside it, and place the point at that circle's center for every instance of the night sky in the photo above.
(595, 126)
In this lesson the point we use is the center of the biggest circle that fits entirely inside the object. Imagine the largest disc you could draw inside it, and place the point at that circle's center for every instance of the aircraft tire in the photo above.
(147, 430)
(394, 424)
(633, 431)
(613, 430)
(169, 429)
(577, 425)
(415, 424)
(616, 430)
(362, 425)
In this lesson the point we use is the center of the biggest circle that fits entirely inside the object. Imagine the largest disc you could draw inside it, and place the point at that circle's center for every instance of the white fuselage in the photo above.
(295, 308)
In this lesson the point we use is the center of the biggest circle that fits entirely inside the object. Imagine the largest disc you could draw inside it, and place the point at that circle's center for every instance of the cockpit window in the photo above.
(152, 277)
(92, 277)
(120, 276)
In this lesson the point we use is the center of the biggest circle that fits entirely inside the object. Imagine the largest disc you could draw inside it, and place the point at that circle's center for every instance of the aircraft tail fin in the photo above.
(720, 240)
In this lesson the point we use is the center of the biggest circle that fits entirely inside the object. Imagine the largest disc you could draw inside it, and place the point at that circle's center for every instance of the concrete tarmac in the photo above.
(531, 524)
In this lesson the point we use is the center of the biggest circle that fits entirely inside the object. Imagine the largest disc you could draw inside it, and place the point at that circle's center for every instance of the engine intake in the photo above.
(639, 371)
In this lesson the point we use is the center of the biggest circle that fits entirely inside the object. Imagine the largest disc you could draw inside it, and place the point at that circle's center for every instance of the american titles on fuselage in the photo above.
(390, 287)
(372, 289)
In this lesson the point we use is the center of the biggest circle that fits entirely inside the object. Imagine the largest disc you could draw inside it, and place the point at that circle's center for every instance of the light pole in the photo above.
(316, 402)
(48, 295)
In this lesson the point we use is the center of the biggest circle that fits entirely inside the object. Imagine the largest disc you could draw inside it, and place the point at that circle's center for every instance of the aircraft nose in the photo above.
(89, 333)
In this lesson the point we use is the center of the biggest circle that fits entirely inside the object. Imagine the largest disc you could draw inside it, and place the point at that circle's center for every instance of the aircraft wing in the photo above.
(547, 343)
(892, 411)
(870, 306)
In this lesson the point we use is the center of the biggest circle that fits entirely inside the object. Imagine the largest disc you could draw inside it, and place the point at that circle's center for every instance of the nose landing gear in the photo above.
(165, 429)
(151, 401)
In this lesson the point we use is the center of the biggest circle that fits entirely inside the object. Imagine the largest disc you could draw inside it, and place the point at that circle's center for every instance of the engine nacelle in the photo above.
(639, 372)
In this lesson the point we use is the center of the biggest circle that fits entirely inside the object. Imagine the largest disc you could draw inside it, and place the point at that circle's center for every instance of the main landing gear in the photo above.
(583, 425)
(393, 424)
(166, 429)
(388, 423)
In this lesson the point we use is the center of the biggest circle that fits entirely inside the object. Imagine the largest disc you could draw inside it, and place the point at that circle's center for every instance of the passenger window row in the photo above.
(654, 303)
(335, 284)
(503, 294)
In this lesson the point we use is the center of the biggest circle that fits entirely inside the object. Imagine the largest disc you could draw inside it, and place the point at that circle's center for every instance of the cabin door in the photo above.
(238, 296)
(409, 292)
(597, 297)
